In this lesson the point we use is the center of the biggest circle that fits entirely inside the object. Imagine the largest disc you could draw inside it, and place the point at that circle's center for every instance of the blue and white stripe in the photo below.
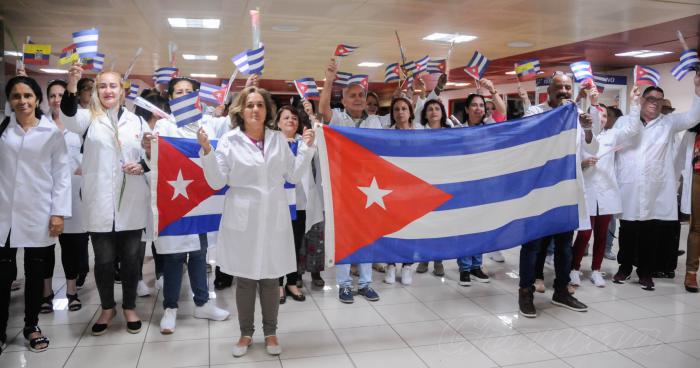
(185, 109)
(289, 188)
(164, 75)
(98, 62)
(480, 61)
(359, 79)
(311, 90)
(688, 61)
(133, 92)
(342, 78)
(241, 62)
(434, 66)
(86, 42)
(510, 183)
(256, 60)
(582, 70)
(650, 74)
(390, 73)
(206, 93)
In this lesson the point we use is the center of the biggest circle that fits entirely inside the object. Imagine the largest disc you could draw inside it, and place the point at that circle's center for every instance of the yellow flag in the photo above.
(36, 54)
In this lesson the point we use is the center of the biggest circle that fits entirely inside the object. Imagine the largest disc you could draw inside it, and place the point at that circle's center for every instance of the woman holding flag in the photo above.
(255, 242)
(114, 190)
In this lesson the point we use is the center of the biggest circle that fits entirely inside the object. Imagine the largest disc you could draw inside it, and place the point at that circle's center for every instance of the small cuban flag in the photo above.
(527, 69)
(307, 89)
(133, 92)
(212, 94)
(289, 188)
(583, 73)
(86, 42)
(36, 54)
(250, 61)
(392, 73)
(164, 75)
(409, 68)
(422, 64)
(186, 109)
(343, 50)
(646, 76)
(476, 67)
(342, 78)
(688, 61)
(69, 54)
(437, 66)
(96, 63)
(361, 79)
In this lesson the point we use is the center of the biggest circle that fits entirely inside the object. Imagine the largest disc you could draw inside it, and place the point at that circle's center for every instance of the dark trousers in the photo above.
(107, 246)
(562, 259)
(640, 242)
(73, 246)
(299, 228)
(667, 253)
(157, 260)
(35, 264)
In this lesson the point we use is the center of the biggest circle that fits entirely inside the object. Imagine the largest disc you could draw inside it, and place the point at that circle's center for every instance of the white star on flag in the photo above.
(374, 194)
(180, 186)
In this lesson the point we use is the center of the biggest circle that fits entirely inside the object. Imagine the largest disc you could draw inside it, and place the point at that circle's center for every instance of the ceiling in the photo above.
(126, 25)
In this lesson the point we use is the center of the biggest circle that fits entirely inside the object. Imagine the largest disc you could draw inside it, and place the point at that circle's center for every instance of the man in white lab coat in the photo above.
(647, 178)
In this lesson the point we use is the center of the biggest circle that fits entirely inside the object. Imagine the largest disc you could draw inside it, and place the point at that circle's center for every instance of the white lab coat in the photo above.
(255, 236)
(34, 183)
(309, 194)
(341, 118)
(166, 128)
(684, 166)
(584, 221)
(75, 224)
(646, 170)
(600, 181)
(103, 175)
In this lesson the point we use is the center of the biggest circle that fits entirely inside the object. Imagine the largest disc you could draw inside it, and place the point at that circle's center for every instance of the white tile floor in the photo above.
(433, 323)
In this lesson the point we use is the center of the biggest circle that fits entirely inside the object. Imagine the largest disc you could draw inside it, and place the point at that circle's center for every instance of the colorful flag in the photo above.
(398, 208)
(211, 93)
(392, 73)
(186, 109)
(437, 66)
(527, 69)
(361, 79)
(409, 68)
(184, 202)
(422, 65)
(36, 54)
(250, 61)
(164, 75)
(344, 50)
(133, 92)
(476, 67)
(646, 76)
(289, 188)
(583, 73)
(68, 55)
(688, 61)
(342, 78)
(86, 42)
(307, 89)
(95, 63)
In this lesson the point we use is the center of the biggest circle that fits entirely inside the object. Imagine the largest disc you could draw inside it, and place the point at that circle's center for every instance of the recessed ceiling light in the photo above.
(642, 53)
(13, 53)
(202, 75)
(512, 72)
(520, 44)
(448, 38)
(285, 28)
(370, 64)
(200, 57)
(54, 71)
(194, 23)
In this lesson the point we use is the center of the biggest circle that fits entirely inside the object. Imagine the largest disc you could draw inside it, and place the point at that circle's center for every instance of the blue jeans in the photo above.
(196, 268)
(469, 263)
(342, 275)
(562, 259)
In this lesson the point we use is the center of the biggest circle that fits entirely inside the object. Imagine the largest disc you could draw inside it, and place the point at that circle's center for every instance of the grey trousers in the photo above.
(107, 246)
(269, 302)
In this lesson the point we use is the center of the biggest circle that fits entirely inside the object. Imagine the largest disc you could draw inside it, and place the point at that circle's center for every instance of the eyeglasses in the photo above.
(653, 100)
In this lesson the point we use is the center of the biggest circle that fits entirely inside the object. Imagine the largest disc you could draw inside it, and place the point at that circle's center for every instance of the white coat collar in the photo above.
(44, 123)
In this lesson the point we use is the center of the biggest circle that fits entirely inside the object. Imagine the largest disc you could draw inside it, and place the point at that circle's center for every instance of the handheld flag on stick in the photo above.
(476, 67)
(143, 103)
(86, 42)
(398, 40)
(165, 74)
(95, 63)
(361, 79)
(230, 85)
(583, 73)
(688, 61)
(250, 61)
(409, 69)
(307, 89)
(527, 69)
(646, 76)
(133, 62)
(186, 109)
(343, 50)
(212, 94)
(36, 54)
(437, 66)
(392, 73)
(422, 65)
(68, 55)
(342, 79)
(133, 92)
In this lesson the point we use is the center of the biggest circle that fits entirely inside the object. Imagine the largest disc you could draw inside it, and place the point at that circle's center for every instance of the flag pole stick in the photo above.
(403, 58)
(230, 83)
(133, 62)
(681, 39)
(516, 75)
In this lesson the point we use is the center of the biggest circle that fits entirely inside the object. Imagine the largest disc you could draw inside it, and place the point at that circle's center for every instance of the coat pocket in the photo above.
(238, 219)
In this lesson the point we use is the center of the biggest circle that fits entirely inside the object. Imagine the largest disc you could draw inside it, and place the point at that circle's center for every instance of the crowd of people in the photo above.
(78, 175)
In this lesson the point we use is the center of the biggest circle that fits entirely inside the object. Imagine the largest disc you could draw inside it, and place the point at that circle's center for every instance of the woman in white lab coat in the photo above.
(34, 199)
(601, 190)
(114, 190)
(255, 236)
(189, 249)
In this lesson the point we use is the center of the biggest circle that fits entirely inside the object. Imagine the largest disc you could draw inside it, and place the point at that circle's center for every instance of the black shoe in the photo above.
(222, 280)
(620, 277)
(566, 300)
(464, 278)
(80, 281)
(525, 302)
(133, 327)
(283, 297)
(670, 275)
(479, 275)
(647, 283)
(298, 297)
(658, 275)
(681, 252)
(317, 280)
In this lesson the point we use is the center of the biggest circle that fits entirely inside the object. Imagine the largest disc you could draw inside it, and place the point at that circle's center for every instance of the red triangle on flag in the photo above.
(473, 71)
(172, 162)
(359, 221)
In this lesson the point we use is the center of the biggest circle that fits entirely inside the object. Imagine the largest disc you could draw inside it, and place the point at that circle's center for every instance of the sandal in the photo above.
(47, 304)
(74, 303)
(34, 342)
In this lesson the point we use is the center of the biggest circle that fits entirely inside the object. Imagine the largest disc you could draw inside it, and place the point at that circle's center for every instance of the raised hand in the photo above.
(308, 136)
(74, 74)
(203, 140)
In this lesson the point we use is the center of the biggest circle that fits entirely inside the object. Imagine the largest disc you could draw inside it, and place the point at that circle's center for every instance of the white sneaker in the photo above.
(142, 289)
(167, 323)
(159, 283)
(597, 279)
(406, 275)
(497, 256)
(210, 311)
(390, 275)
(575, 277)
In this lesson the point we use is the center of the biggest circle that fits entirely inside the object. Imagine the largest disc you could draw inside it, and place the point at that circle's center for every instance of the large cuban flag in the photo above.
(183, 202)
(409, 196)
